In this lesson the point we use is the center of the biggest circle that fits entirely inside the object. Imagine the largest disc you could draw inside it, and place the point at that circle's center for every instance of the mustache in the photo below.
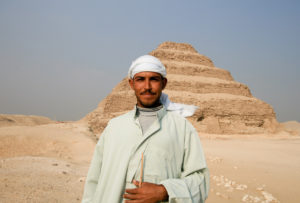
(147, 92)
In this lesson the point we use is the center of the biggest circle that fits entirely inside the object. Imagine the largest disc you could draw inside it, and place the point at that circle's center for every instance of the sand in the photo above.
(44, 163)
(49, 163)
(254, 169)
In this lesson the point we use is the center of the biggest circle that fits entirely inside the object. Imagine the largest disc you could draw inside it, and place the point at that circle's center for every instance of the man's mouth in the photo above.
(148, 93)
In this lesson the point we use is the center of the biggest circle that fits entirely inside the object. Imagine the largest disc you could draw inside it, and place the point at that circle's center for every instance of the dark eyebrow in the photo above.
(138, 77)
(155, 77)
(151, 78)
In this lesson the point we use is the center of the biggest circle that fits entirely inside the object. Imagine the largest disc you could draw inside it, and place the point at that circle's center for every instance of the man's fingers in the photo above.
(132, 191)
(133, 201)
(130, 196)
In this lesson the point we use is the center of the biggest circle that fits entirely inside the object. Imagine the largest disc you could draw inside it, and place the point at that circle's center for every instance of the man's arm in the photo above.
(193, 186)
(94, 171)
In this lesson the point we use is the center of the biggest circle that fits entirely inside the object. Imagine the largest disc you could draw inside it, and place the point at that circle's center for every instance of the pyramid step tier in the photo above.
(177, 46)
(186, 68)
(194, 58)
(222, 104)
(200, 84)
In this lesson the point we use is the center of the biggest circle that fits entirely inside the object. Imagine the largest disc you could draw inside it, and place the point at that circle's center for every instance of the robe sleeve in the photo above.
(193, 185)
(94, 171)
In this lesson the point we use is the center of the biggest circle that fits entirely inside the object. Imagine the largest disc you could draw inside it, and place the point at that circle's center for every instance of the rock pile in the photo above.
(225, 106)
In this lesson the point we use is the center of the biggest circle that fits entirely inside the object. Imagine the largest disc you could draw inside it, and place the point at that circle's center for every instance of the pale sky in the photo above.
(61, 58)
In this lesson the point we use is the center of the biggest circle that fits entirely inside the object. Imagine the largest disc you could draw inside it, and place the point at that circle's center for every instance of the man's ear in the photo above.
(130, 81)
(164, 81)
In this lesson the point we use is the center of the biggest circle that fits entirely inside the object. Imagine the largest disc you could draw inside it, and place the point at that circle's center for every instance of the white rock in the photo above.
(245, 198)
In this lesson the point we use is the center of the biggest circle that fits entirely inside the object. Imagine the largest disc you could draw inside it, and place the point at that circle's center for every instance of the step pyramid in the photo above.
(225, 105)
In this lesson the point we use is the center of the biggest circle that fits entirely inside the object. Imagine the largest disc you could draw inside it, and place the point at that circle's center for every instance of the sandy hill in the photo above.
(23, 120)
(292, 126)
(225, 105)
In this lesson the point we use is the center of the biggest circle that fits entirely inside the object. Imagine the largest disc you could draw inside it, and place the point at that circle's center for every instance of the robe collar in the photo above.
(160, 113)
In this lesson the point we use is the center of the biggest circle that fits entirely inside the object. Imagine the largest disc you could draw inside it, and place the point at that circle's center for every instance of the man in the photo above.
(152, 153)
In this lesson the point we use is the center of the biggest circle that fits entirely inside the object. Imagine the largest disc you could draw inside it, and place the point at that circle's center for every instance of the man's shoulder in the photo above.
(175, 116)
(122, 118)
(179, 119)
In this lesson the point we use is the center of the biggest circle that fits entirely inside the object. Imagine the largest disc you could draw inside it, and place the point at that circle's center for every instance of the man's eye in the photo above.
(155, 79)
(139, 79)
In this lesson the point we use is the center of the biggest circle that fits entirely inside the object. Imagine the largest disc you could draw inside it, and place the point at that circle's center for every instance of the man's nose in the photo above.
(147, 84)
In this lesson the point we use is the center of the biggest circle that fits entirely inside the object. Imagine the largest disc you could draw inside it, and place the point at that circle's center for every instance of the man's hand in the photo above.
(147, 193)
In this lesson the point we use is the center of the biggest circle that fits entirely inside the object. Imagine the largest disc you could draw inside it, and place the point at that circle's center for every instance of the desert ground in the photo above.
(48, 162)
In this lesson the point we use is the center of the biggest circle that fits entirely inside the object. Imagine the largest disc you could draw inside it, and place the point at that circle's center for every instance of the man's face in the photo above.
(148, 87)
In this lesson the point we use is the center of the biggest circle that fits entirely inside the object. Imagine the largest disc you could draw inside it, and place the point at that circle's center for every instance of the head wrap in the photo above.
(146, 63)
(182, 109)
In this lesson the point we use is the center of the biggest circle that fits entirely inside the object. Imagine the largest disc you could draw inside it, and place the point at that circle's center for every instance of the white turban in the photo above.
(146, 63)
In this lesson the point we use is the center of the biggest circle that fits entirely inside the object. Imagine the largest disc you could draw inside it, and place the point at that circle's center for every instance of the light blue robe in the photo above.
(173, 156)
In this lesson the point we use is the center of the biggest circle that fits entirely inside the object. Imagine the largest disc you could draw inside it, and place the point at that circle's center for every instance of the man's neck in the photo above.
(149, 109)
(147, 116)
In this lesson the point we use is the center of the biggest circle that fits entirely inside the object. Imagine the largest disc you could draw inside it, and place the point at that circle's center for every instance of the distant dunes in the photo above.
(22, 120)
